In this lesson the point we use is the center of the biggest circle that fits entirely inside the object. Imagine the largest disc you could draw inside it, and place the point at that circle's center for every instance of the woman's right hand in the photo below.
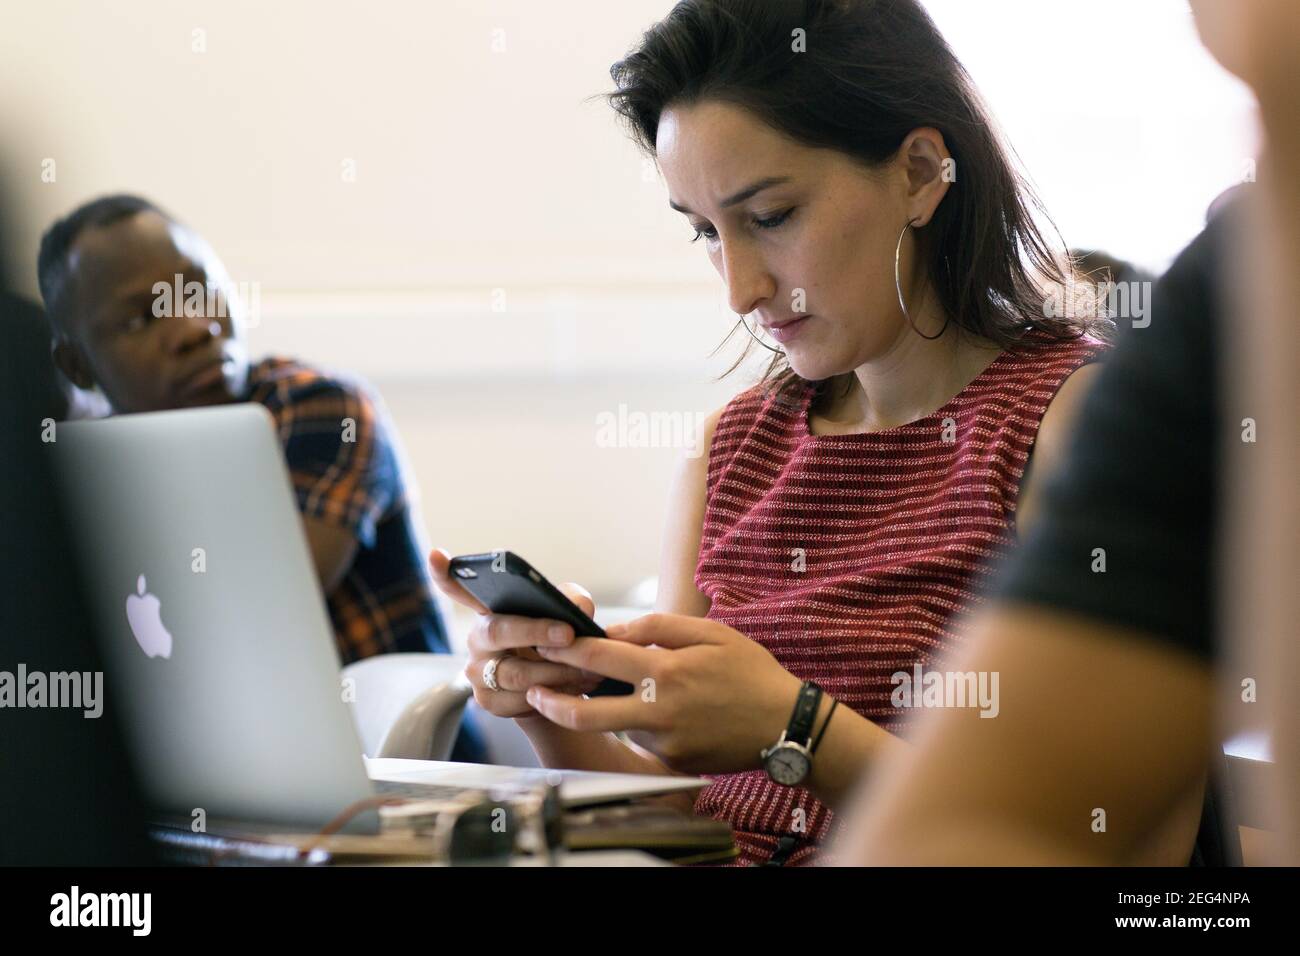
(510, 640)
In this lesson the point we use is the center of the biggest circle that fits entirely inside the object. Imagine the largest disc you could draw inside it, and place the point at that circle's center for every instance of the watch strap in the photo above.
(822, 733)
(806, 705)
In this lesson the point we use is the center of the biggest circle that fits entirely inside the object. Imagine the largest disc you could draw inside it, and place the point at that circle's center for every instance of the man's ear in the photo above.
(930, 169)
(71, 361)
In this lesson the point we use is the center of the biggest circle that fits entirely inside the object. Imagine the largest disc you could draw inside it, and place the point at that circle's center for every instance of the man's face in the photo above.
(146, 349)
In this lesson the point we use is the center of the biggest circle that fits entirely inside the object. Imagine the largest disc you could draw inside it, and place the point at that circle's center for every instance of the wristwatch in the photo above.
(789, 760)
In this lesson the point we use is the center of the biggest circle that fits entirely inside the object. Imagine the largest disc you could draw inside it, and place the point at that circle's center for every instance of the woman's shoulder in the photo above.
(1048, 360)
(764, 404)
(1041, 387)
(747, 404)
(762, 413)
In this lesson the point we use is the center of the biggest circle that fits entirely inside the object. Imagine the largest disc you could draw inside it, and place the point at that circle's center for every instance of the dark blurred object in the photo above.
(26, 334)
(68, 796)
(483, 835)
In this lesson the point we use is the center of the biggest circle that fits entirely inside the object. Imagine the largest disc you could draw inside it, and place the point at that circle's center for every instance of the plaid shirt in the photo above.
(346, 468)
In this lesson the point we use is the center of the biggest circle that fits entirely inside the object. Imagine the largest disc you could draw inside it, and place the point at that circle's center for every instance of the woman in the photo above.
(843, 178)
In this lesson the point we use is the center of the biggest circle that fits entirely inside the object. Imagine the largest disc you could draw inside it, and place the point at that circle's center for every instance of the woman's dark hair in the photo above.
(857, 76)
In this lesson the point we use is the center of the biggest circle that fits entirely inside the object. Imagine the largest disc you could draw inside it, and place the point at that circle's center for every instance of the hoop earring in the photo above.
(898, 287)
(757, 339)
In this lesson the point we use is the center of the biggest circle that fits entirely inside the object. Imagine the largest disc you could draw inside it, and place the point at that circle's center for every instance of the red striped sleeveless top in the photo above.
(850, 557)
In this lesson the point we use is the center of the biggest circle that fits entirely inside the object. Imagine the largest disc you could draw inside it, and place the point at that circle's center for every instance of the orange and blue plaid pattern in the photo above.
(346, 469)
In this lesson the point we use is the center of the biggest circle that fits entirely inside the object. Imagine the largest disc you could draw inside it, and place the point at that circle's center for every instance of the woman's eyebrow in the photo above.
(746, 193)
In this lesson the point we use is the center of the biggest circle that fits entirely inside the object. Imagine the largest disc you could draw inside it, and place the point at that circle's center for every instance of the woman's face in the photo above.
(811, 252)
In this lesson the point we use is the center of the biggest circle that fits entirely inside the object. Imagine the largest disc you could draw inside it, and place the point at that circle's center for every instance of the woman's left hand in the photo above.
(707, 699)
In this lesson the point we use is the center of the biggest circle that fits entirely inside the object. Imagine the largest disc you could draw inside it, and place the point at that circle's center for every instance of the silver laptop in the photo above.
(218, 646)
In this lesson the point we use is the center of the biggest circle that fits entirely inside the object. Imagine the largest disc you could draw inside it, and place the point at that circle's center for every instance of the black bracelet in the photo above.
(831, 713)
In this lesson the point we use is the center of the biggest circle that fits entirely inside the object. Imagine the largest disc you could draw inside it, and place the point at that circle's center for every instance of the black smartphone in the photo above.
(507, 584)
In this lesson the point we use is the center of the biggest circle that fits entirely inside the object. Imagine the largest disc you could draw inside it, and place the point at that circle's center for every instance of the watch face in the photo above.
(787, 765)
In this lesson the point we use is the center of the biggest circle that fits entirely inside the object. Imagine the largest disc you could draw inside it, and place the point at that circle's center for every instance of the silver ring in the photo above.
(490, 674)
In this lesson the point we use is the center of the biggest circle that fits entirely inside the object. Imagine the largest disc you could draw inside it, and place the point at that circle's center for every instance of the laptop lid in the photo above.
(215, 632)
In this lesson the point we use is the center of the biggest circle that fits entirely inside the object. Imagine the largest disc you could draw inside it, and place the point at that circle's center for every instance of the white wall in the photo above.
(480, 169)
(1127, 126)
(477, 169)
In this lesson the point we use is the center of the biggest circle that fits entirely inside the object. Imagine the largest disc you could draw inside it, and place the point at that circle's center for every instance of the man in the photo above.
(116, 275)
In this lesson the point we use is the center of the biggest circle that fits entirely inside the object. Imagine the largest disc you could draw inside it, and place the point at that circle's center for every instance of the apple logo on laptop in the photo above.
(143, 613)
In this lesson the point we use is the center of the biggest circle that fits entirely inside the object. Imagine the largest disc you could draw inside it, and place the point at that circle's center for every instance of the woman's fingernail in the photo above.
(557, 634)
(532, 695)
(616, 630)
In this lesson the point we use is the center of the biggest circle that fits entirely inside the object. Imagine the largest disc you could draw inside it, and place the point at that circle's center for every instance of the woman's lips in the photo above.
(786, 331)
